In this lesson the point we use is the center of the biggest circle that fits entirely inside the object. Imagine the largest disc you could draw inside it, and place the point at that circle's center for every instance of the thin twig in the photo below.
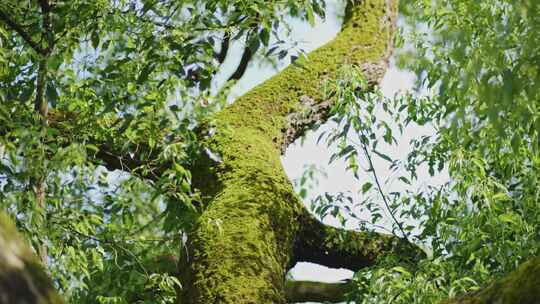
(381, 192)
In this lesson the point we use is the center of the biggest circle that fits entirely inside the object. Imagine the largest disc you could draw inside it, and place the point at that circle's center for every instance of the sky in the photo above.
(307, 152)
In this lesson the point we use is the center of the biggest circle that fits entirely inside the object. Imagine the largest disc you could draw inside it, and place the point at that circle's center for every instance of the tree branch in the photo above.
(24, 35)
(22, 278)
(293, 101)
(110, 155)
(242, 66)
(340, 248)
(307, 291)
(520, 286)
(224, 49)
(41, 105)
(381, 192)
(46, 24)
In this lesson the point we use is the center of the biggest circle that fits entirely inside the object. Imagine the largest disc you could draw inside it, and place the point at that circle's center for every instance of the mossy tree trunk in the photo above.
(254, 228)
(23, 280)
(22, 277)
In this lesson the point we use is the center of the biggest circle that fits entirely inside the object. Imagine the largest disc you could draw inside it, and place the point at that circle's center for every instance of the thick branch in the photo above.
(294, 100)
(340, 248)
(250, 229)
(520, 286)
(307, 291)
(22, 278)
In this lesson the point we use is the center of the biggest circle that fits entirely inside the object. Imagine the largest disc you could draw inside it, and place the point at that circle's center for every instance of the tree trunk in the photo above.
(520, 286)
(22, 277)
(254, 228)
(244, 242)
(23, 280)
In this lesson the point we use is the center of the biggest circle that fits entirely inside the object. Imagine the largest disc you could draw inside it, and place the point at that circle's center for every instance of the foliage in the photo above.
(142, 73)
(478, 71)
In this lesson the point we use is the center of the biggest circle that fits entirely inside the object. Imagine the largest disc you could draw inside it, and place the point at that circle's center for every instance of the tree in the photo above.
(205, 213)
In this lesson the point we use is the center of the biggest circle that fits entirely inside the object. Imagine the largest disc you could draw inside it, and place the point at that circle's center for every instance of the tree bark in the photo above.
(520, 286)
(254, 228)
(22, 278)
(250, 233)
(307, 291)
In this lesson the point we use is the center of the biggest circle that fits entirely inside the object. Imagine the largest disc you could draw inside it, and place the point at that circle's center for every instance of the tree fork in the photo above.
(23, 280)
(244, 241)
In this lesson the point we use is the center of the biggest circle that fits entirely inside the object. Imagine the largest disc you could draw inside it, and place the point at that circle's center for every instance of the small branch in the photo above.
(111, 155)
(242, 66)
(224, 47)
(379, 189)
(24, 35)
(40, 104)
(307, 291)
(220, 27)
(340, 248)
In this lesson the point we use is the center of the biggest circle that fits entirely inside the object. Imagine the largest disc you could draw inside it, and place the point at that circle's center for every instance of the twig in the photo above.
(379, 188)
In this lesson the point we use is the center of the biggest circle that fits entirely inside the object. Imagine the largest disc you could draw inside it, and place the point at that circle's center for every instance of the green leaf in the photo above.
(509, 218)
(405, 180)
(264, 36)
(366, 187)
(310, 16)
(383, 156)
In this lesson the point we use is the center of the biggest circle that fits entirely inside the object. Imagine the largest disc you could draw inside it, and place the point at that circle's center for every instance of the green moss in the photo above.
(364, 39)
(521, 286)
(243, 241)
(22, 277)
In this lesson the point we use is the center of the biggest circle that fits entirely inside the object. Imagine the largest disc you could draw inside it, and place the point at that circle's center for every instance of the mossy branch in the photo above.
(520, 286)
(308, 291)
(22, 277)
(246, 237)
(354, 250)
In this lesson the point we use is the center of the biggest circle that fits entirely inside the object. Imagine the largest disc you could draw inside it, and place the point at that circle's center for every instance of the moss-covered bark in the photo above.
(22, 278)
(244, 241)
(307, 291)
(340, 248)
(521, 286)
